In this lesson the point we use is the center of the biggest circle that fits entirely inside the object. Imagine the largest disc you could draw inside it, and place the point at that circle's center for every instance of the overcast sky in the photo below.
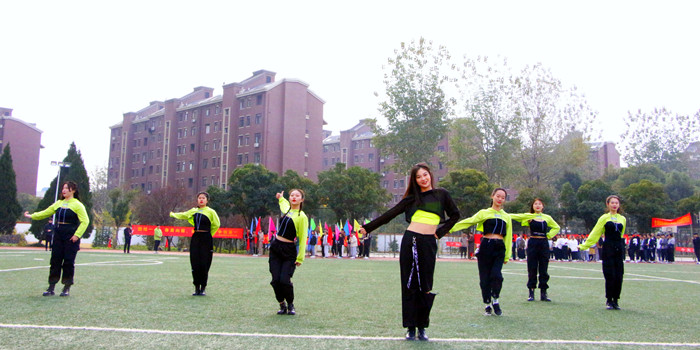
(74, 67)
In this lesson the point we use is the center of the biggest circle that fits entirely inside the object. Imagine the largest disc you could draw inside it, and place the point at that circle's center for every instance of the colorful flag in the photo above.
(357, 228)
(271, 228)
(348, 228)
(247, 240)
(312, 225)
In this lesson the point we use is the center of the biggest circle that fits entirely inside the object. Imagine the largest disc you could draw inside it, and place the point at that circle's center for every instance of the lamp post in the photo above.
(58, 179)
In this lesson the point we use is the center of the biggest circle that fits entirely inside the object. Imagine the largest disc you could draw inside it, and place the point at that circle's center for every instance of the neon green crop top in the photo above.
(425, 217)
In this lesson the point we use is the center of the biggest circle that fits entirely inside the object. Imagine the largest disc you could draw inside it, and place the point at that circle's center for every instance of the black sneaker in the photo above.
(609, 305)
(197, 291)
(290, 310)
(411, 334)
(497, 309)
(615, 306)
(202, 292)
(487, 310)
(49, 292)
(283, 309)
(421, 334)
(531, 294)
(543, 295)
(65, 292)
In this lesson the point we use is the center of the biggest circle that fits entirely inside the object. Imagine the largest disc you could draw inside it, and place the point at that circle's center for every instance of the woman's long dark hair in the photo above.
(71, 186)
(496, 190)
(532, 204)
(607, 201)
(413, 189)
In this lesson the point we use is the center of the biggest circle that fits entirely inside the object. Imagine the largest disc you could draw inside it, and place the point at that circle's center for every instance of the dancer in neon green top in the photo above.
(206, 223)
(284, 255)
(542, 229)
(494, 250)
(612, 225)
(70, 224)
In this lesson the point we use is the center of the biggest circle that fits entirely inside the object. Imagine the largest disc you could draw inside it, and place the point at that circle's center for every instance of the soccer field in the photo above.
(144, 301)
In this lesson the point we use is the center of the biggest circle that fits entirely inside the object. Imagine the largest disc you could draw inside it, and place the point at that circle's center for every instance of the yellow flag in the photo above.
(356, 225)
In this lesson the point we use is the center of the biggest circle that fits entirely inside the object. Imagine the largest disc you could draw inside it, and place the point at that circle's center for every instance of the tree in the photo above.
(76, 173)
(27, 201)
(101, 206)
(638, 173)
(10, 209)
(120, 211)
(525, 198)
(574, 180)
(591, 201)
(470, 189)
(679, 186)
(155, 208)
(488, 137)
(659, 137)
(550, 112)
(689, 205)
(568, 202)
(352, 193)
(252, 190)
(417, 107)
(644, 200)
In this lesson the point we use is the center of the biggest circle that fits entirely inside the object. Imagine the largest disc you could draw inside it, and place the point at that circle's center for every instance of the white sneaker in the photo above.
(368, 258)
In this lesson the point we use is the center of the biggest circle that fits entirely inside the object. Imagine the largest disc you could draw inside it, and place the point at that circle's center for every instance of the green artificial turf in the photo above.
(355, 298)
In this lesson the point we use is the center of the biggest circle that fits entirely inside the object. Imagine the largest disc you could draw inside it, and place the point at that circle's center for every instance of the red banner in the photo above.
(681, 221)
(685, 250)
(453, 244)
(147, 230)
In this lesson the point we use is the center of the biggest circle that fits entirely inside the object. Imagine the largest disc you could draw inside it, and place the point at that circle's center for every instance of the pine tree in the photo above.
(76, 173)
(10, 209)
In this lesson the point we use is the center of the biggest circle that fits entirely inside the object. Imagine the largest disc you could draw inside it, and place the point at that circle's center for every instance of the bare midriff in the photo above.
(493, 236)
(424, 229)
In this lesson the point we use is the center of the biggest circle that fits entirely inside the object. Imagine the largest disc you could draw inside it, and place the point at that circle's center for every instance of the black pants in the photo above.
(339, 249)
(156, 244)
(417, 263)
(463, 252)
(490, 258)
(47, 243)
(201, 253)
(671, 253)
(63, 255)
(127, 244)
(283, 257)
(537, 262)
(697, 253)
(613, 267)
(367, 246)
(633, 252)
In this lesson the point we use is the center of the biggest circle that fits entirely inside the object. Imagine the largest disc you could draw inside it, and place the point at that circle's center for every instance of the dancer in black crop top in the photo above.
(424, 207)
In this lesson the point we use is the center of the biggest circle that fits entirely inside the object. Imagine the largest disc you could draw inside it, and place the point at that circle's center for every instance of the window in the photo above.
(240, 159)
(150, 169)
(241, 122)
(256, 157)
(216, 126)
(193, 131)
(157, 169)
(240, 140)
(247, 140)
(145, 141)
(206, 146)
(217, 109)
(441, 148)
(246, 158)
(206, 112)
(190, 182)
(184, 132)
(258, 119)
(204, 181)
(247, 120)
(191, 165)
(258, 100)
(205, 162)
(206, 128)
(216, 145)
(325, 162)
(258, 137)
(370, 157)
(191, 147)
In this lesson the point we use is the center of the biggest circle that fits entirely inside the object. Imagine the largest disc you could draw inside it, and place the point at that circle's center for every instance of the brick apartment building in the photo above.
(354, 148)
(604, 155)
(197, 140)
(25, 143)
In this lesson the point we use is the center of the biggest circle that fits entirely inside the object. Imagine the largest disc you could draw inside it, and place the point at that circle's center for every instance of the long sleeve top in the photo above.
(543, 224)
(491, 221)
(613, 226)
(297, 228)
(203, 219)
(70, 213)
(157, 234)
(436, 201)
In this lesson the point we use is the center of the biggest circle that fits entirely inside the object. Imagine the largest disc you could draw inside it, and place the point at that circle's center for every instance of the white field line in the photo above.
(99, 263)
(650, 278)
(589, 278)
(341, 337)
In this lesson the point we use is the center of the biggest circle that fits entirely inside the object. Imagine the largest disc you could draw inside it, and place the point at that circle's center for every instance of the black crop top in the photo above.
(538, 228)
(612, 231)
(286, 228)
(202, 223)
(497, 226)
(436, 201)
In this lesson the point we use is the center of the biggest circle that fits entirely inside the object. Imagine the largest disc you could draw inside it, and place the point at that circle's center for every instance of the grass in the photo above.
(333, 297)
